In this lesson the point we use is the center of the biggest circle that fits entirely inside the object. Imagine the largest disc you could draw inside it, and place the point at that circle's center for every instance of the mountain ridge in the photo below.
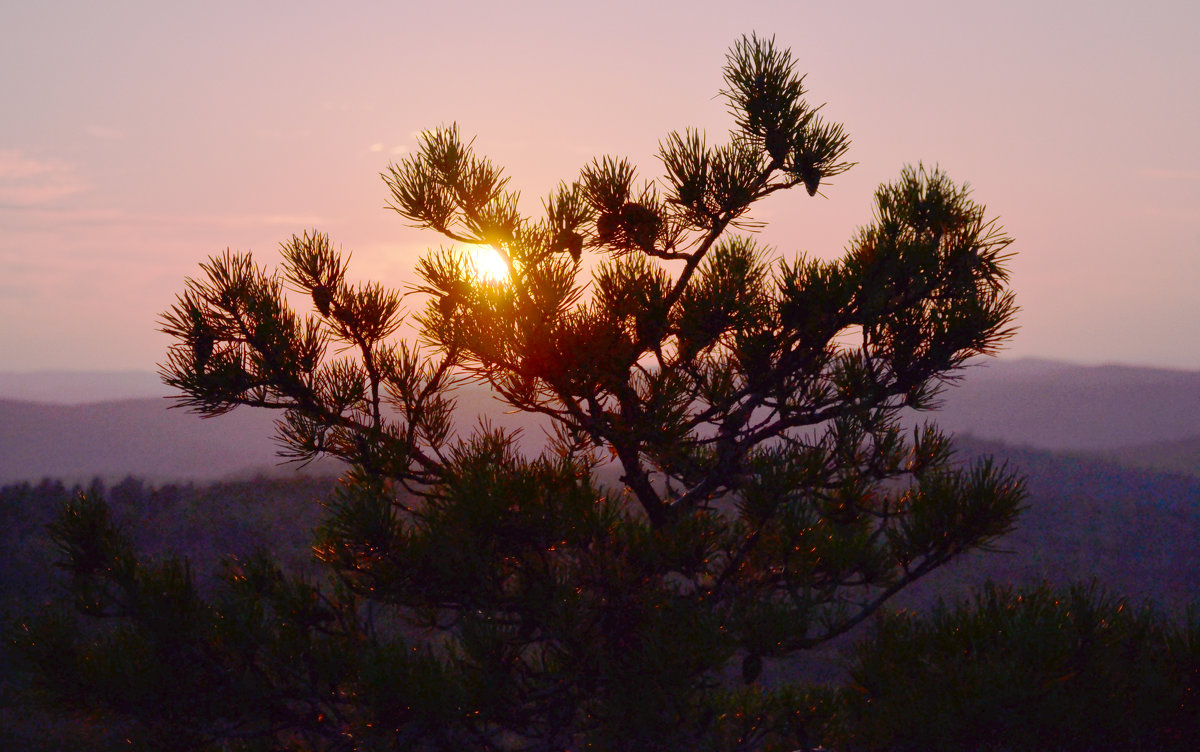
(1122, 411)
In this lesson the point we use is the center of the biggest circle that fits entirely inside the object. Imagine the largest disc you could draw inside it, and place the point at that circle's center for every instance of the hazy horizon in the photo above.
(1005, 357)
(80, 387)
(143, 137)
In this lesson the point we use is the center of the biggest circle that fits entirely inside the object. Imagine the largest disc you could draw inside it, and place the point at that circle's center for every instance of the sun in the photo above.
(486, 264)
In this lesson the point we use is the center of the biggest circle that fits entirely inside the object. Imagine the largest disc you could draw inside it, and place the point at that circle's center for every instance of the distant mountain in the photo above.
(129, 437)
(60, 429)
(1061, 406)
(148, 439)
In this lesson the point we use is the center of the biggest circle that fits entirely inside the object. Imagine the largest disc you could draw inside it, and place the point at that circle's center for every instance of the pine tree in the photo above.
(771, 496)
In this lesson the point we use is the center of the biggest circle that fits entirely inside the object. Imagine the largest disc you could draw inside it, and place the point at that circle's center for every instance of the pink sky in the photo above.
(138, 138)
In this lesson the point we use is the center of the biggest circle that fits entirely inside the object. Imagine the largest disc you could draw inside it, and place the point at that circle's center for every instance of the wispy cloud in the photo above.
(291, 220)
(28, 181)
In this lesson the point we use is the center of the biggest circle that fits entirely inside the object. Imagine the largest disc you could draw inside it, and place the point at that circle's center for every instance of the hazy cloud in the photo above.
(107, 134)
(393, 150)
(28, 181)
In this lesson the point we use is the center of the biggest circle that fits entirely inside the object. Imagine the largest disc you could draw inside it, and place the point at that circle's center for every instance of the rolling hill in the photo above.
(1059, 406)
(54, 424)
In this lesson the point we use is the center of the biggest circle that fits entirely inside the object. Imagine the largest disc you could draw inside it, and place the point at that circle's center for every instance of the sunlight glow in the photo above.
(487, 264)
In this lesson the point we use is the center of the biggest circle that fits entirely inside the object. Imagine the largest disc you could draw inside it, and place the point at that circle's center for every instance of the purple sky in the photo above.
(138, 138)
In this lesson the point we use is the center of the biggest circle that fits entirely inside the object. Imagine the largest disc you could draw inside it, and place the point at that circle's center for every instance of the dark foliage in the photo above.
(1044, 669)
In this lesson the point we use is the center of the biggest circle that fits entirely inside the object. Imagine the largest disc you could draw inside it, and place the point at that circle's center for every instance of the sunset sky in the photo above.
(137, 138)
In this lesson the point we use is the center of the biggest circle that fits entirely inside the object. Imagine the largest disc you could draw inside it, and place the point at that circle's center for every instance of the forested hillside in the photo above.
(1133, 530)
